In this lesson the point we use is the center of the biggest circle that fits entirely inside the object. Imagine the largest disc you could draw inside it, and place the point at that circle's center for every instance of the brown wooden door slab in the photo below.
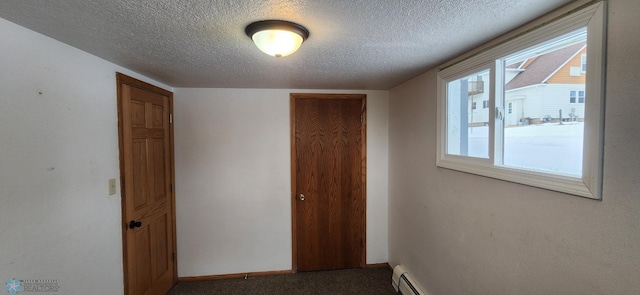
(328, 156)
(146, 177)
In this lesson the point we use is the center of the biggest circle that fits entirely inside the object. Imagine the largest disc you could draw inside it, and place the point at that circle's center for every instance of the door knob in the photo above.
(133, 224)
(301, 197)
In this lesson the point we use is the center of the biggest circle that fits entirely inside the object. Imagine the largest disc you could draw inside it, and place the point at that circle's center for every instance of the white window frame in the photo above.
(590, 184)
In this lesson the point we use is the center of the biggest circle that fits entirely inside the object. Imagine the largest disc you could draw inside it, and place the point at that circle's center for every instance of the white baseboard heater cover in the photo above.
(403, 283)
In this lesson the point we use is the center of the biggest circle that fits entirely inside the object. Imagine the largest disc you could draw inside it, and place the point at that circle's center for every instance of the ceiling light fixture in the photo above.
(277, 37)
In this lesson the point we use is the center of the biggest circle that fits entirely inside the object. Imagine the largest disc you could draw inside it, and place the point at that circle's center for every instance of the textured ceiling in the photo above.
(365, 44)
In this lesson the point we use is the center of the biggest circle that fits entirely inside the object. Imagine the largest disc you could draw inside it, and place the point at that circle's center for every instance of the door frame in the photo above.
(292, 110)
(124, 79)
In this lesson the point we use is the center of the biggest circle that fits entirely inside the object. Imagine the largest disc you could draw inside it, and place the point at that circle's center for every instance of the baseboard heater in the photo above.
(403, 283)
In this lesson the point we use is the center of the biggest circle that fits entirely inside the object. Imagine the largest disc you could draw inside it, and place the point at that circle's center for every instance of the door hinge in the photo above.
(173, 256)
(170, 118)
(361, 117)
(171, 185)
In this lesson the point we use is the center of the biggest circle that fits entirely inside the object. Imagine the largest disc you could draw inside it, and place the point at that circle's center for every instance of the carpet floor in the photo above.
(372, 281)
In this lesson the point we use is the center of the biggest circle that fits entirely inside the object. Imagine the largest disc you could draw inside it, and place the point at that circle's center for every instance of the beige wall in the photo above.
(458, 233)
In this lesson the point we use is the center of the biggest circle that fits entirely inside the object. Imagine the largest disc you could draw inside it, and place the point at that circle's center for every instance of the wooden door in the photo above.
(146, 171)
(328, 161)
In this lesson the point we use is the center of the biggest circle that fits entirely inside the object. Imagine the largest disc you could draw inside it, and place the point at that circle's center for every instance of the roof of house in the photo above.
(515, 65)
(543, 66)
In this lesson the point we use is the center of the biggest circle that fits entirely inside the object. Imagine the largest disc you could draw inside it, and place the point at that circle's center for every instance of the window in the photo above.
(467, 135)
(580, 96)
(534, 144)
(473, 105)
(583, 63)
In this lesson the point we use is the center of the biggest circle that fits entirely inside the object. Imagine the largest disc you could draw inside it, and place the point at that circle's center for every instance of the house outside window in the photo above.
(470, 141)
(539, 139)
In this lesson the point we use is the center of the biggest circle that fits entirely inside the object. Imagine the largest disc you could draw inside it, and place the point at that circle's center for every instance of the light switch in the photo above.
(112, 186)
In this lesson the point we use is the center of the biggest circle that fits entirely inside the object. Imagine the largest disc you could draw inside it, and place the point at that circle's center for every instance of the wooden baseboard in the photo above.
(379, 265)
(235, 276)
(261, 274)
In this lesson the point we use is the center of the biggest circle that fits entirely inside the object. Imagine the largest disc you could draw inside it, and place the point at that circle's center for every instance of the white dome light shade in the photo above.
(277, 43)
(277, 38)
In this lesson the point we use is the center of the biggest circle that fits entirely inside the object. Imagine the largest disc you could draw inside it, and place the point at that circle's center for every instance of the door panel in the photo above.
(142, 241)
(139, 169)
(162, 250)
(146, 170)
(328, 148)
(159, 170)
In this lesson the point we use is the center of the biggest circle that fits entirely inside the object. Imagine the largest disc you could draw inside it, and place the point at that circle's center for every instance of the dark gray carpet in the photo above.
(371, 281)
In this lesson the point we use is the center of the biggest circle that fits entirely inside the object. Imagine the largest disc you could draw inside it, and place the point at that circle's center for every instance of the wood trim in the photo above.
(235, 276)
(380, 265)
(294, 244)
(363, 261)
(292, 120)
(261, 274)
(173, 189)
(327, 96)
(124, 79)
(120, 80)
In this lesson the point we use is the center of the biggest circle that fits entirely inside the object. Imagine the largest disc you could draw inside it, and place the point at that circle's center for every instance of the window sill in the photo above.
(560, 183)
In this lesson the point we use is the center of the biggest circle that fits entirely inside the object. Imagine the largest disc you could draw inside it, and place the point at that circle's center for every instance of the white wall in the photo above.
(465, 234)
(233, 179)
(58, 148)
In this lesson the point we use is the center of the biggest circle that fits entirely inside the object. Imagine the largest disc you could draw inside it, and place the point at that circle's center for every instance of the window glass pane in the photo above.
(544, 131)
(467, 126)
(581, 97)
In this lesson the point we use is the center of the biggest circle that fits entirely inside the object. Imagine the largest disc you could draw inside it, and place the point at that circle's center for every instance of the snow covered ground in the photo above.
(549, 147)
